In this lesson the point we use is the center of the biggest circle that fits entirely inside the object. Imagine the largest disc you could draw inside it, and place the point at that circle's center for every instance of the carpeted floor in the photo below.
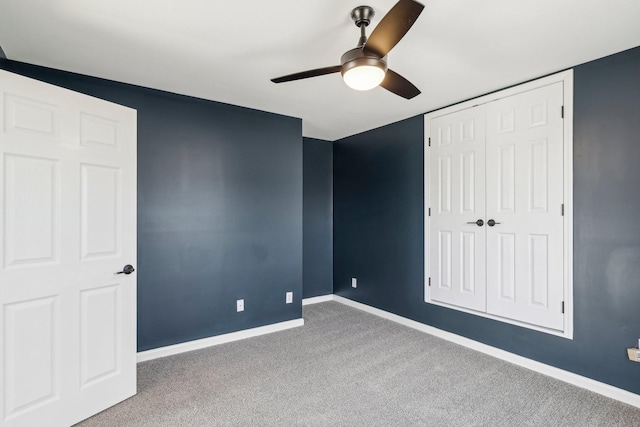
(345, 367)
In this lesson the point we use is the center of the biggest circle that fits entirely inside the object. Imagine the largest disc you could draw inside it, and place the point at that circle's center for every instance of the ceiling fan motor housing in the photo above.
(358, 57)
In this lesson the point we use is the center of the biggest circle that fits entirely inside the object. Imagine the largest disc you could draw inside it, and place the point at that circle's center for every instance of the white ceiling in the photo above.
(228, 50)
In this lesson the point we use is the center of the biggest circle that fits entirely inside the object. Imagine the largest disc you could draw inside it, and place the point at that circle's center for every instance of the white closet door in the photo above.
(524, 197)
(67, 225)
(457, 200)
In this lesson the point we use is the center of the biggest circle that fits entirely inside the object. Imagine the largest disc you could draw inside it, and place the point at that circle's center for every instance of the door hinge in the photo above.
(429, 281)
(562, 209)
(429, 211)
(562, 111)
(429, 141)
(562, 307)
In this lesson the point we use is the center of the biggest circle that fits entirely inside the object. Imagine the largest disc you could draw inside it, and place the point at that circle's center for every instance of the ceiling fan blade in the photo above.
(307, 74)
(394, 82)
(393, 26)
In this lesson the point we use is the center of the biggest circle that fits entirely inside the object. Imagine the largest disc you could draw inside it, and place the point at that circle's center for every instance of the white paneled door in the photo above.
(457, 188)
(496, 198)
(525, 174)
(67, 227)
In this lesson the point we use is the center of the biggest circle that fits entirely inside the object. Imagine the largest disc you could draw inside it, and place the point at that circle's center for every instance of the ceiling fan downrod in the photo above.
(362, 16)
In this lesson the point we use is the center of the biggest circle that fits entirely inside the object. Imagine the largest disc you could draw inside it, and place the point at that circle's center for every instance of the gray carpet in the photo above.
(345, 367)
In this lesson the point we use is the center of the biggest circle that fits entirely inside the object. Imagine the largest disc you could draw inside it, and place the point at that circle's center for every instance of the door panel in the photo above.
(506, 179)
(101, 211)
(506, 266)
(468, 262)
(30, 116)
(68, 172)
(99, 329)
(444, 260)
(457, 250)
(539, 176)
(539, 271)
(37, 359)
(468, 189)
(98, 132)
(525, 250)
(444, 184)
(32, 217)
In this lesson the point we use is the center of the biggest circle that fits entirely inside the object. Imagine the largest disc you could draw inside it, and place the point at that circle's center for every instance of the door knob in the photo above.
(479, 222)
(491, 223)
(128, 269)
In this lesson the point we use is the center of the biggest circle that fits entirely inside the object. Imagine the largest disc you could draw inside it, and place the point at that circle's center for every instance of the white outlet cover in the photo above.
(354, 282)
(289, 297)
(240, 305)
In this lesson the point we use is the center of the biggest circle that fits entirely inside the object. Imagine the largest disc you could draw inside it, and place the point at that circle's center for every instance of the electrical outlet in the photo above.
(354, 282)
(289, 298)
(240, 305)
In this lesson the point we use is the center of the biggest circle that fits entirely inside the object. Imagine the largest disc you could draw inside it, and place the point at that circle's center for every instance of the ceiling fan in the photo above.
(365, 66)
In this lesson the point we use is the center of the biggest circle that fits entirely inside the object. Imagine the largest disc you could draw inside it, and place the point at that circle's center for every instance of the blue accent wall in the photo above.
(378, 216)
(379, 224)
(219, 210)
(317, 217)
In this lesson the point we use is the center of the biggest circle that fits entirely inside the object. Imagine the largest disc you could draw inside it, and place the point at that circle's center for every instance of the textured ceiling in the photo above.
(228, 50)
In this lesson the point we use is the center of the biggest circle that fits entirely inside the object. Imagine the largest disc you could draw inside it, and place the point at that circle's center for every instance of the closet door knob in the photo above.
(128, 269)
(491, 223)
(479, 222)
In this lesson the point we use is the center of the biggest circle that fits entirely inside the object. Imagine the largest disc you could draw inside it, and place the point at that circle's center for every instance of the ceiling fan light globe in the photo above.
(364, 77)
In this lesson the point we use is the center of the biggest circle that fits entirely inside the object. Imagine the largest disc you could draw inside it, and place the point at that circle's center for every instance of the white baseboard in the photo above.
(560, 374)
(170, 350)
(316, 300)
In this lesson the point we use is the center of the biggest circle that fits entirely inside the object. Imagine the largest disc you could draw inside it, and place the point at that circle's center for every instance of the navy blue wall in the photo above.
(317, 217)
(378, 229)
(219, 210)
(378, 216)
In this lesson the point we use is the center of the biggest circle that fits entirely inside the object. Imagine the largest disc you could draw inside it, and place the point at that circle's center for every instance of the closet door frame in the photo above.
(566, 77)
